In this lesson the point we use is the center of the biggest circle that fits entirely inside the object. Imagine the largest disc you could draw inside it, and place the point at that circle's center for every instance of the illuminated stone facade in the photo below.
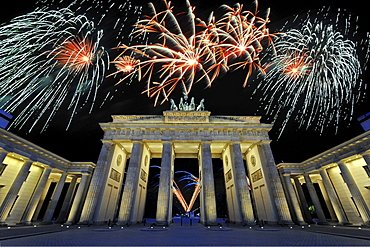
(241, 142)
(28, 172)
(342, 175)
(336, 182)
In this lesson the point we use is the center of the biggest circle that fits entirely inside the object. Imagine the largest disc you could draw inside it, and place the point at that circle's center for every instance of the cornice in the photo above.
(345, 150)
(13, 143)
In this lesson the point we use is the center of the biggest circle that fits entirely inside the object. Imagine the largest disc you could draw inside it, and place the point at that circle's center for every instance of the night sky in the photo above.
(81, 142)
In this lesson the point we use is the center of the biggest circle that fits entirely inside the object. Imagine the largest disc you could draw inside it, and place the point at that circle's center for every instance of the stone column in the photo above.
(326, 199)
(67, 200)
(32, 204)
(274, 182)
(78, 199)
(294, 200)
(302, 199)
(315, 200)
(355, 192)
(99, 177)
(54, 200)
(13, 191)
(42, 199)
(131, 184)
(241, 183)
(3, 154)
(165, 185)
(366, 157)
(208, 185)
(335, 202)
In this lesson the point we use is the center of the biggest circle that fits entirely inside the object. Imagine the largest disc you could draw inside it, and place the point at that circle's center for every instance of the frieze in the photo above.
(126, 118)
(186, 116)
(217, 133)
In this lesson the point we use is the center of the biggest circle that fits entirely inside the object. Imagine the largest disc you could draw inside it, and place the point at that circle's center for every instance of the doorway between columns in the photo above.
(186, 173)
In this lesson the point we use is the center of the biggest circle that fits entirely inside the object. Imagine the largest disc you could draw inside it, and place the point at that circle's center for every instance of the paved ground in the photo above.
(185, 235)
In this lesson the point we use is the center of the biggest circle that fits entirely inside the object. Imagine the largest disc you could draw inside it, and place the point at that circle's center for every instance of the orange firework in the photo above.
(241, 33)
(125, 64)
(195, 51)
(179, 59)
(177, 192)
(296, 66)
(75, 55)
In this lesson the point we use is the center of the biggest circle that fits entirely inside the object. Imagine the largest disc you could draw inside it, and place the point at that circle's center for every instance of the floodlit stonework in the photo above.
(37, 185)
(343, 177)
(133, 140)
(27, 172)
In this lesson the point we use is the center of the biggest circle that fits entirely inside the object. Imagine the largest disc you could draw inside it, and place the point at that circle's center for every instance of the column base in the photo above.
(302, 224)
(344, 223)
(323, 223)
(367, 223)
(87, 222)
(246, 223)
(25, 223)
(286, 222)
(46, 223)
(124, 223)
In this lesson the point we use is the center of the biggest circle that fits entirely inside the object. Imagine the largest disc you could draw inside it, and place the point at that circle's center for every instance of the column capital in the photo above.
(323, 168)
(235, 142)
(28, 160)
(167, 141)
(367, 152)
(286, 175)
(342, 162)
(136, 140)
(206, 141)
(264, 142)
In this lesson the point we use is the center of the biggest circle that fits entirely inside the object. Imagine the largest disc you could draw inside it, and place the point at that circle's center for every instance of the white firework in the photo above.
(46, 56)
(313, 77)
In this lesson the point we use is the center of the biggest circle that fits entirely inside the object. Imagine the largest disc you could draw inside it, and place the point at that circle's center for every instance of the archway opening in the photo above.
(186, 187)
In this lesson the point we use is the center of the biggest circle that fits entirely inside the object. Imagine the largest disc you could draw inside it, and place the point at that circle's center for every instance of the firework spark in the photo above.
(193, 181)
(313, 78)
(241, 34)
(177, 191)
(199, 51)
(59, 59)
(125, 64)
(76, 54)
(58, 55)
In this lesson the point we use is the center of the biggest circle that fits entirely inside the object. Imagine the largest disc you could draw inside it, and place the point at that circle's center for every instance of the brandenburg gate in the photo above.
(253, 187)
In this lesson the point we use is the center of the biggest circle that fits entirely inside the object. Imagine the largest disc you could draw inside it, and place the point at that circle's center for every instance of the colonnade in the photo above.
(26, 174)
(343, 185)
(253, 188)
(129, 207)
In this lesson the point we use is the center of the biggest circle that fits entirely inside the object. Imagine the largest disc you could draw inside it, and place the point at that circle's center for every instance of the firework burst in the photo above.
(241, 34)
(313, 77)
(125, 64)
(197, 51)
(58, 56)
(178, 59)
(75, 55)
(193, 181)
